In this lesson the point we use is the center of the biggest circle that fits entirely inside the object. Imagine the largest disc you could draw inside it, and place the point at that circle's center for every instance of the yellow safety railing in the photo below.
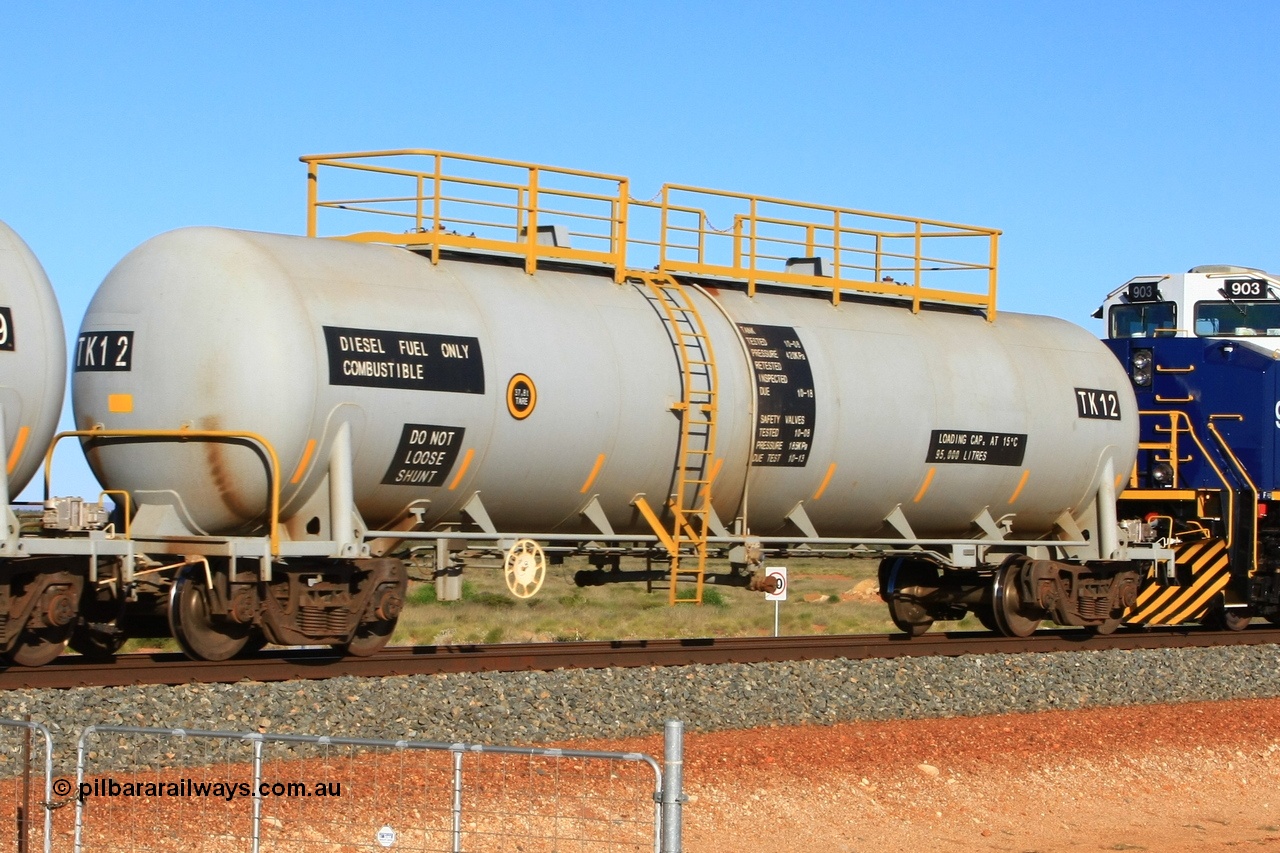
(443, 200)
(863, 252)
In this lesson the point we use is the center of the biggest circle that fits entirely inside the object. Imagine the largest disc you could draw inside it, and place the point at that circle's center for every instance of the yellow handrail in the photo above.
(502, 203)
(184, 434)
(1180, 422)
(1244, 474)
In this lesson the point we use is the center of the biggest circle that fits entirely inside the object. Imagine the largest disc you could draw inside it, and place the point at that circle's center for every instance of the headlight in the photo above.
(1162, 475)
(1140, 367)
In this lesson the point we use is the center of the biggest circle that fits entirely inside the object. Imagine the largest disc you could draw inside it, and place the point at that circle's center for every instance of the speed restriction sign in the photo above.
(775, 583)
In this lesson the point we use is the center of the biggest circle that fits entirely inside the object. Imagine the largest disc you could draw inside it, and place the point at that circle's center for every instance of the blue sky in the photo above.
(1106, 139)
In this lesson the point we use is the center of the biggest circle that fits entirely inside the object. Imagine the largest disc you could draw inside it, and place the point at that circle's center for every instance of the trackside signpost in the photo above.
(775, 590)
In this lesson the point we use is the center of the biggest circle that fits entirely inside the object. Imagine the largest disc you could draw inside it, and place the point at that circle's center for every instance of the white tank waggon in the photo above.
(526, 361)
(43, 578)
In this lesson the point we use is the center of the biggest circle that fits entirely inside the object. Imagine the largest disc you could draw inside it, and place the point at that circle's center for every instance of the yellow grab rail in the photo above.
(1242, 471)
(438, 199)
(480, 203)
(1179, 423)
(184, 435)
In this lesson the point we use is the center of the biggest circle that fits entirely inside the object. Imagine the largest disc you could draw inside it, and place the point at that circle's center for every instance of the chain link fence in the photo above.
(26, 778)
(152, 790)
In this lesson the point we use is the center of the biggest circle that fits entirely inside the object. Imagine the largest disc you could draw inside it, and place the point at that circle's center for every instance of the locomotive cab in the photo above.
(1202, 350)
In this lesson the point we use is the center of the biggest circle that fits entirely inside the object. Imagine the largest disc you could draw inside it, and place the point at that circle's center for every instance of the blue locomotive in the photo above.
(1203, 353)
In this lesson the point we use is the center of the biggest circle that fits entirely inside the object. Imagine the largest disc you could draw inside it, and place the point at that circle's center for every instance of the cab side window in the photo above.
(1143, 320)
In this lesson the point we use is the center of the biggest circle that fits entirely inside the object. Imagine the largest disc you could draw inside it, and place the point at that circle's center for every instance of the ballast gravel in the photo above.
(536, 707)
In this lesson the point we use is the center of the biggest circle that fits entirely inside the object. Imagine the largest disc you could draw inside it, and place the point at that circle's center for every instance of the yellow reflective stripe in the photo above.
(715, 470)
(924, 487)
(591, 478)
(466, 463)
(825, 481)
(1021, 485)
(18, 443)
(302, 465)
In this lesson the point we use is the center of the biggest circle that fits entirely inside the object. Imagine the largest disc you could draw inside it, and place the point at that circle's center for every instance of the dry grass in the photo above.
(825, 596)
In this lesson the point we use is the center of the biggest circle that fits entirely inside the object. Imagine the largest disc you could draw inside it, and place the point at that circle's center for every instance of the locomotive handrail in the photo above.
(756, 237)
(1177, 419)
(1240, 468)
(184, 435)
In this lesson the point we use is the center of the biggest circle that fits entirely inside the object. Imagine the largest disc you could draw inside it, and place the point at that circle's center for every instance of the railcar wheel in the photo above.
(1007, 604)
(38, 646)
(906, 583)
(193, 624)
(97, 644)
(372, 635)
(255, 643)
(369, 639)
(1219, 617)
(525, 568)
(1108, 627)
(987, 616)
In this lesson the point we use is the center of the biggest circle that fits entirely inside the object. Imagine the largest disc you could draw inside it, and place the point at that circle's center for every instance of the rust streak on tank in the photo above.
(215, 454)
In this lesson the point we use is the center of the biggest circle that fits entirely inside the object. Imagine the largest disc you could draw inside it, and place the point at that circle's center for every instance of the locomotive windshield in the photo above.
(1143, 320)
(1238, 319)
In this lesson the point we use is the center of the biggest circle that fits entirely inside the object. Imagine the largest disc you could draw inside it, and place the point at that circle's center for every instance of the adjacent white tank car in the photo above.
(42, 580)
(33, 354)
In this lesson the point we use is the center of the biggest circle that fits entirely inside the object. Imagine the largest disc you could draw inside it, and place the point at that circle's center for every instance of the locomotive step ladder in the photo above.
(690, 505)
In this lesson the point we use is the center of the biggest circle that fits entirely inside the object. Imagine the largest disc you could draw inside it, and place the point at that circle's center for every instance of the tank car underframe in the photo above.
(221, 606)
(1013, 597)
(44, 586)
(1011, 585)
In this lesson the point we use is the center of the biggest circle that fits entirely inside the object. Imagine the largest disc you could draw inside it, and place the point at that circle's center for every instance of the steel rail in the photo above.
(311, 664)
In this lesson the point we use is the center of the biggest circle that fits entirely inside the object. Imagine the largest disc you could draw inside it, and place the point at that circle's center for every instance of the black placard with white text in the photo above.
(410, 360)
(786, 406)
(976, 447)
(425, 455)
(104, 351)
(1098, 404)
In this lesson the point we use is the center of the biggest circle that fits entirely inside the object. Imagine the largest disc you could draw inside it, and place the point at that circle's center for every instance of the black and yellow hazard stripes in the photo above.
(1203, 570)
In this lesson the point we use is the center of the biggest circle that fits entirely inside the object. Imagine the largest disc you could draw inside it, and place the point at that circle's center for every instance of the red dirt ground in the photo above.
(1171, 778)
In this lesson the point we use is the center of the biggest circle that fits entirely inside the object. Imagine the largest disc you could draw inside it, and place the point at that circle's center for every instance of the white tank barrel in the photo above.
(33, 360)
(552, 394)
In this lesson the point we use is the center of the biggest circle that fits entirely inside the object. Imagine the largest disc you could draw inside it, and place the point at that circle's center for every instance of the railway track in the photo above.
(308, 664)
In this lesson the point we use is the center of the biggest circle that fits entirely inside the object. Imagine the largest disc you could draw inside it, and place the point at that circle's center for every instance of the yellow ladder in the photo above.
(690, 506)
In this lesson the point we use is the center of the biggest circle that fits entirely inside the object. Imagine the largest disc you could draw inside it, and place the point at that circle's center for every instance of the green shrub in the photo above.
(714, 597)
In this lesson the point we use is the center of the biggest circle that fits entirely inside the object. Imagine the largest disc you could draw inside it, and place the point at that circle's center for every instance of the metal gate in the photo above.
(26, 777)
(151, 789)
